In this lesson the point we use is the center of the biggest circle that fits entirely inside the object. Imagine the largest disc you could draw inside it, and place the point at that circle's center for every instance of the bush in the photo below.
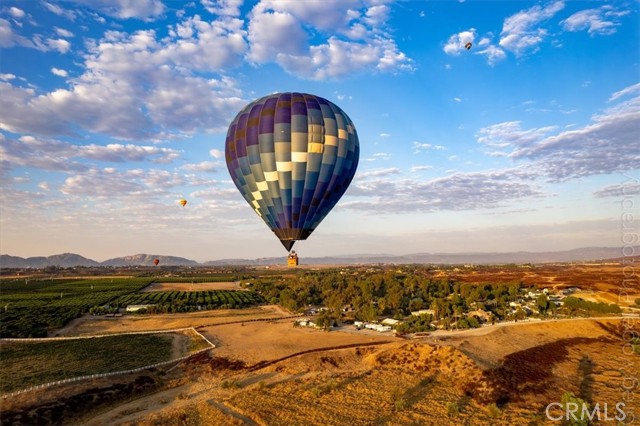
(493, 411)
(453, 409)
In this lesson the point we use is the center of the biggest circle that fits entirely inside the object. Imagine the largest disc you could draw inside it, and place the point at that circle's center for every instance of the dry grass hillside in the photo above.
(505, 377)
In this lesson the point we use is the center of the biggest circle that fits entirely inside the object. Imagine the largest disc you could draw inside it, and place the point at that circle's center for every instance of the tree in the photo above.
(543, 304)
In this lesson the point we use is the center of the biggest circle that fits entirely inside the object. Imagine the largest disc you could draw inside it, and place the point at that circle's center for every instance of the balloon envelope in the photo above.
(183, 202)
(156, 261)
(292, 156)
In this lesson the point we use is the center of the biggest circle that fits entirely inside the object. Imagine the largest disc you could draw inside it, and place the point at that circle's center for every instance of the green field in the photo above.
(32, 363)
(32, 307)
(188, 301)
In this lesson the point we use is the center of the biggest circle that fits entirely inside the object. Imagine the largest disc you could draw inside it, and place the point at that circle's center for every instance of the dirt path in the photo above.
(138, 408)
(226, 409)
(490, 328)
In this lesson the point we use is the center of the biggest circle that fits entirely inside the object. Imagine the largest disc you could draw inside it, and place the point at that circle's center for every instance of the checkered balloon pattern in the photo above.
(292, 156)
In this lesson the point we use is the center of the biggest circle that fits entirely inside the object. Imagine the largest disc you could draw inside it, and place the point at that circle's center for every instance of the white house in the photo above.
(136, 308)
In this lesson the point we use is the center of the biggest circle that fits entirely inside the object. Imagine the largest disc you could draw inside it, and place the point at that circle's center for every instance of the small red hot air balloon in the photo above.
(156, 261)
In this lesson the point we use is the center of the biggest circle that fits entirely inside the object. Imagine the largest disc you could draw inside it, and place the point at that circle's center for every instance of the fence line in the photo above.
(92, 336)
(113, 373)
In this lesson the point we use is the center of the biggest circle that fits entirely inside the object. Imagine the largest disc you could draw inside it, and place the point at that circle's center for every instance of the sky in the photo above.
(111, 111)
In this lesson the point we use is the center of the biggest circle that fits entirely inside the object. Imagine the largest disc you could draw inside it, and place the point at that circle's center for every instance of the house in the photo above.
(390, 321)
(136, 308)
(423, 312)
(305, 322)
(481, 314)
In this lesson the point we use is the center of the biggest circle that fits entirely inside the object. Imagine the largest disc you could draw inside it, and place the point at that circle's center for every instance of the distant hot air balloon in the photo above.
(156, 261)
(292, 156)
(468, 45)
(183, 202)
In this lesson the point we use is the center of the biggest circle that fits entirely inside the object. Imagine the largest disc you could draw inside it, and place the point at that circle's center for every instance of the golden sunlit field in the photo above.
(264, 371)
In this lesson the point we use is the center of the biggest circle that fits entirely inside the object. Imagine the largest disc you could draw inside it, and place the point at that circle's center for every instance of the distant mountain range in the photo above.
(67, 260)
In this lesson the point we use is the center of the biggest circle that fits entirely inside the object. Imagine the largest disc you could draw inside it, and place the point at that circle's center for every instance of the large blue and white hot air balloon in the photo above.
(292, 156)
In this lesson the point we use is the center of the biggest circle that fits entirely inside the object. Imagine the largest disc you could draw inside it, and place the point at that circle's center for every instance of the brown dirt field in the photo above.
(251, 343)
(313, 380)
(192, 287)
(89, 325)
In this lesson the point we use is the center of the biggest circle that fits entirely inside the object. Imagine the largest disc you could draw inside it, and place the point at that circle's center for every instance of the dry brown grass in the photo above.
(270, 373)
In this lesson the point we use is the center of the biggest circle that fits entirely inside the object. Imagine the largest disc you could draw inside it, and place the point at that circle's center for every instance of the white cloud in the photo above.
(9, 38)
(599, 21)
(204, 166)
(16, 13)
(125, 9)
(635, 89)
(509, 134)
(7, 77)
(64, 33)
(54, 8)
(134, 87)
(521, 31)
(54, 155)
(459, 191)
(493, 53)
(420, 168)
(216, 153)
(419, 146)
(282, 32)
(609, 144)
(376, 173)
(223, 7)
(618, 190)
(456, 43)
(59, 72)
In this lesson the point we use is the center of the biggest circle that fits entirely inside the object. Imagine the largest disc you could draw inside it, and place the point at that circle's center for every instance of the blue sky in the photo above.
(113, 110)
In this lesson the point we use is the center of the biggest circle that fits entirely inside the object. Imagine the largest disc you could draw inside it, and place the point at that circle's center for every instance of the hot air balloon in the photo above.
(292, 156)
(468, 45)
(183, 202)
(156, 261)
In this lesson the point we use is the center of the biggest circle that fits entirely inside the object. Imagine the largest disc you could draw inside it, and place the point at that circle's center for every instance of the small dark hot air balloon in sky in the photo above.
(292, 156)
(156, 261)
(468, 45)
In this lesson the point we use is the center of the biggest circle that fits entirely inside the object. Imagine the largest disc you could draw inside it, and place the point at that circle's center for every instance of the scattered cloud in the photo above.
(459, 191)
(608, 145)
(216, 153)
(635, 89)
(54, 155)
(456, 43)
(493, 54)
(419, 147)
(64, 33)
(59, 72)
(60, 11)
(420, 168)
(522, 32)
(618, 190)
(114, 95)
(356, 38)
(599, 21)
(377, 173)
(223, 7)
(125, 9)
(16, 12)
